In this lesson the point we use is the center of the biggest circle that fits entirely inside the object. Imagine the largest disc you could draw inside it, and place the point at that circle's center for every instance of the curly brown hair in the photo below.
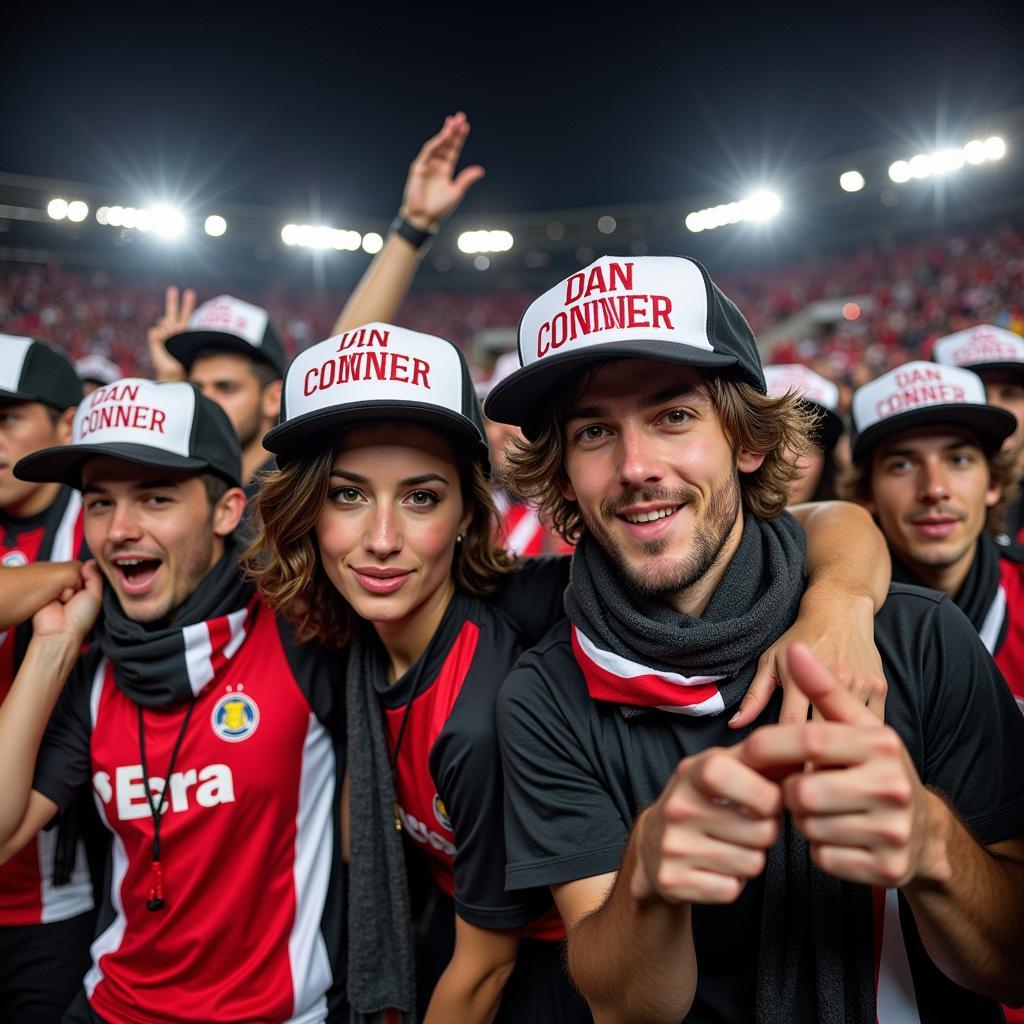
(854, 483)
(778, 428)
(284, 558)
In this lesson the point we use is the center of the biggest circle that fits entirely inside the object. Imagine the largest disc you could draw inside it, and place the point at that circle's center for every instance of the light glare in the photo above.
(77, 211)
(372, 242)
(215, 225)
(471, 242)
(57, 208)
(851, 181)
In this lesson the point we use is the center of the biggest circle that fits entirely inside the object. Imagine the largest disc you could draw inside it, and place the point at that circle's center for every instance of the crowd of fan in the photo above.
(907, 296)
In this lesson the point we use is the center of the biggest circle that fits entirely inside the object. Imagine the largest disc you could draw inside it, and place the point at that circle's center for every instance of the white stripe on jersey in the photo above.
(60, 902)
(993, 624)
(236, 623)
(63, 549)
(314, 840)
(198, 652)
(112, 937)
(896, 1001)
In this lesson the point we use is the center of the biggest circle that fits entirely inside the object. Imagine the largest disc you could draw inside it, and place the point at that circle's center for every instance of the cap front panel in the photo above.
(912, 387)
(232, 316)
(811, 386)
(136, 411)
(13, 351)
(979, 345)
(615, 300)
(375, 363)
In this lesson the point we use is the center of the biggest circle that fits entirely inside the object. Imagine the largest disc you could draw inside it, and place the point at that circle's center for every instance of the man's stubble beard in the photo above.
(711, 530)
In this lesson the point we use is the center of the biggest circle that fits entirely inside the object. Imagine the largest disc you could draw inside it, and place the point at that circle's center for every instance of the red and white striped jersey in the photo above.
(253, 916)
(27, 891)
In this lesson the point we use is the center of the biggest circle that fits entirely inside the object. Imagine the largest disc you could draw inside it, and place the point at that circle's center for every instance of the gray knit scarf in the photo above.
(381, 977)
(815, 961)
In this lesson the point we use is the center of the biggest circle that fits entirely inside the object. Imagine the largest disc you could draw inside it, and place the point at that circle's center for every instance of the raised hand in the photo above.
(433, 191)
(71, 615)
(177, 310)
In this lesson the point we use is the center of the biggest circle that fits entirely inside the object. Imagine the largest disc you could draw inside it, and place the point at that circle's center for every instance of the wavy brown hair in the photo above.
(778, 428)
(284, 557)
(854, 482)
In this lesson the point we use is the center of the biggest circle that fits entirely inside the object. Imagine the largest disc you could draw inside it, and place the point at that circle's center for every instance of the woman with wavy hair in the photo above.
(376, 535)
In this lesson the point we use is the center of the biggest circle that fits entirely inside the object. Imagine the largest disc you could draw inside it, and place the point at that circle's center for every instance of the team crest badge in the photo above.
(13, 558)
(235, 717)
(441, 812)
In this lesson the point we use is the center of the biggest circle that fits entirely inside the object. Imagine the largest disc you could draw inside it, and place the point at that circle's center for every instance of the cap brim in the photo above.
(286, 437)
(10, 397)
(187, 346)
(521, 397)
(63, 464)
(1012, 368)
(993, 426)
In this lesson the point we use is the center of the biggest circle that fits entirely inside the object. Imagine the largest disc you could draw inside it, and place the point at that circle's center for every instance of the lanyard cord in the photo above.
(156, 888)
(398, 743)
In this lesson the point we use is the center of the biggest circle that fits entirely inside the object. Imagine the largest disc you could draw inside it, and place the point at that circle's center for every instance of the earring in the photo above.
(458, 539)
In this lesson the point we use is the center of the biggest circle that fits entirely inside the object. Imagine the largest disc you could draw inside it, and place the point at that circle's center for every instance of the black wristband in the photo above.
(416, 237)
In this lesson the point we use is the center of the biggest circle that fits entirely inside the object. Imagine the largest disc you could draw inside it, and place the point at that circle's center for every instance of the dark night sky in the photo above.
(572, 104)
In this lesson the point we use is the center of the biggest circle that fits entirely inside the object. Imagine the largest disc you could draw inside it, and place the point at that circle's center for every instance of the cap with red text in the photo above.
(982, 348)
(227, 324)
(813, 389)
(377, 371)
(163, 425)
(34, 371)
(647, 307)
(922, 394)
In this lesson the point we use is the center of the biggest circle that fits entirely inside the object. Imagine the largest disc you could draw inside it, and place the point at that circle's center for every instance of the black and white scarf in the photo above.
(816, 954)
(159, 667)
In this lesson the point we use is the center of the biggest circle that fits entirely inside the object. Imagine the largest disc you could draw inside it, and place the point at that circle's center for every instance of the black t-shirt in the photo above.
(577, 773)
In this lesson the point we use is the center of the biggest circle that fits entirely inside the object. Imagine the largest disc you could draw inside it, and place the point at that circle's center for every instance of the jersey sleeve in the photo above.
(320, 675)
(532, 595)
(561, 824)
(63, 764)
(466, 765)
(974, 732)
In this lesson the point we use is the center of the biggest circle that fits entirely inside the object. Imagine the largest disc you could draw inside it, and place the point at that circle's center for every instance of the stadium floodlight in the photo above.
(760, 206)
(946, 161)
(167, 221)
(215, 225)
(899, 172)
(57, 209)
(77, 211)
(471, 242)
(103, 216)
(372, 242)
(322, 237)
(851, 181)
(481, 262)
(995, 148)
(606, 225)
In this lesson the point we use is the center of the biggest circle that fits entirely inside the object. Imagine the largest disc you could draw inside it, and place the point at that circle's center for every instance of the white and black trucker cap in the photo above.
(650, 307)
(97, 369)
(813, 389)
(227, 324)
(982, 348)
(922, 394)
(377, 371)
(34, 371)
(164, 425)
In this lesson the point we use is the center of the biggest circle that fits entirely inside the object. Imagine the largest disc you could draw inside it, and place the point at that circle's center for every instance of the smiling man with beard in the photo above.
(705, 872)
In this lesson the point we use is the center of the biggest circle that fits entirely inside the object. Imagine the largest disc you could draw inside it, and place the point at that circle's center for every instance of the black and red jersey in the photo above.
(28, 893)
(1006, 640)
(448, 770)
(250, 852)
